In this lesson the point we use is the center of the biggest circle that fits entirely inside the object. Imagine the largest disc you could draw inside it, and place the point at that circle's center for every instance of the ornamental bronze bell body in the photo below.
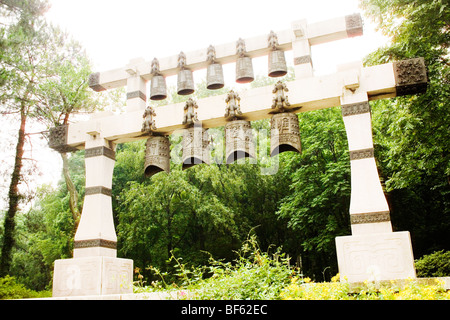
(277, 60)
(244, 65)
(158, 89)
(185, 82)
(244, 70)
(239, 141)
(284, 133)
(214, 77)
(277, 64)
(157, 155)
(195, 146)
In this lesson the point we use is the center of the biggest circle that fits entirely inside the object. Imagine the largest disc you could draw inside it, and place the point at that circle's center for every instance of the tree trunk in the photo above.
(14, 198)
(73, 194)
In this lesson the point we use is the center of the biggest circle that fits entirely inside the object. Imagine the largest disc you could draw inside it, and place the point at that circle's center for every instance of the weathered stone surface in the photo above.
(378, 256)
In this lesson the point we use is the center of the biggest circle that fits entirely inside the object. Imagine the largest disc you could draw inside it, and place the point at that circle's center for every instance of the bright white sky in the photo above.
(115, 31)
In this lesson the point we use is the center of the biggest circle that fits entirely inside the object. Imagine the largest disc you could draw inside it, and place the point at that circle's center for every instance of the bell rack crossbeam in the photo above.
(373, 249)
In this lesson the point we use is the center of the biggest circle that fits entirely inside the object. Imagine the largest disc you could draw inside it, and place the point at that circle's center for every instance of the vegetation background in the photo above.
(210, 211)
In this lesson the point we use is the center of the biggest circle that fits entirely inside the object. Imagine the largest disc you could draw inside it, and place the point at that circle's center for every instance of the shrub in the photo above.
(10, 289)
(436, 264)
(255, 275)
(336, 290)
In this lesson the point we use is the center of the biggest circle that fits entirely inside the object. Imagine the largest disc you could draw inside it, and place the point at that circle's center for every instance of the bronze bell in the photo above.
(277, 61)
(214, 77)
(277, 64)
(158, 83)
(158, 89)
(214, 72)
(185, 83)
(239, 141)
(157, 155)
(244, 65)
(244, 70)
(195, 147)
(284, 133)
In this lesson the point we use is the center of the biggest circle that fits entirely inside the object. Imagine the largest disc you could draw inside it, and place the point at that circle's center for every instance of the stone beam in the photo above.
(305, 94)
(316, 33)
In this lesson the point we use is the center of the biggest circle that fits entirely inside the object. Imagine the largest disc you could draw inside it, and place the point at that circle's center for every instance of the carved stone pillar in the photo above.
(95, 235)
(373, 252)
(95, 269)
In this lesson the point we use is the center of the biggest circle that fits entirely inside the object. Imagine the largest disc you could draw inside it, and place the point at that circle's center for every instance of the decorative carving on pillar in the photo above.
(58, 139)
(355, 108)
(361, 154)
(95, 243)
(98, 190)
(100, 151)
(410, 76)
(370, 217)
(190, 116)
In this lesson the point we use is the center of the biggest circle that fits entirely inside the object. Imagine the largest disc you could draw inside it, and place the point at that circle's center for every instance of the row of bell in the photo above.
(285, 136)
(215, 78)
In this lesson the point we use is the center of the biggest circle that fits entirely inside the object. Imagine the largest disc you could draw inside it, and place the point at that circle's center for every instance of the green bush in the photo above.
(436, 264)
(255, 275)
(304, 289)
(10, 289)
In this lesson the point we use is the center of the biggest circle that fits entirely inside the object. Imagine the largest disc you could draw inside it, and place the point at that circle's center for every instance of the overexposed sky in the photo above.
(116, 31)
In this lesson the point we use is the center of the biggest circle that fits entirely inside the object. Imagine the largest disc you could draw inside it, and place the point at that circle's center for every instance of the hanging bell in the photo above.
(244, 66)
(244, 70)
(214, 77)
(185, 83)
(195, 147)
(157, 155)
(277, 61)
(214, 72)
(158, 89)
(277, 64)
(284, 133)
(239, 142)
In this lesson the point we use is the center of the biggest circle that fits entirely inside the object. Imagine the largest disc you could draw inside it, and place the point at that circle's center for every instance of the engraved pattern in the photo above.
(195, 147)
(361, 154)
(98, 190)
(136, 94)
(410, 76)
(95, 243)
(302, 60)
(100, 151)
(284, 134)
(94, 82)
(354, 109)
(372, 217)
(58, 139)
(157, 155)
(239, 140)
(354, 25)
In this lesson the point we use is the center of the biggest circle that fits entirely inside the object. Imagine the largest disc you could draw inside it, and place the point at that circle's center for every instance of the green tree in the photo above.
(24, 44)
(411, 133)
(317, 205)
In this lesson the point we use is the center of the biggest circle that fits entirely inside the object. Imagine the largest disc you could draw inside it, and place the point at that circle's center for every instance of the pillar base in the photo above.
(375, 257)
(92, 276)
